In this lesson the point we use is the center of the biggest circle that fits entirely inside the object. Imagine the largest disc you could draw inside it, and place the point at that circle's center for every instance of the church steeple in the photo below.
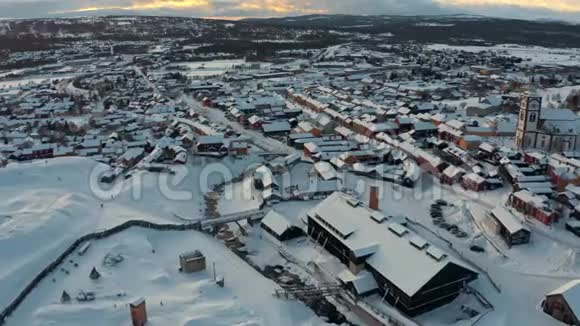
(529, 118)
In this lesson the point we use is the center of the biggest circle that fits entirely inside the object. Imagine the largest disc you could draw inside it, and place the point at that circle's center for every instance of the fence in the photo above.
(77, 243)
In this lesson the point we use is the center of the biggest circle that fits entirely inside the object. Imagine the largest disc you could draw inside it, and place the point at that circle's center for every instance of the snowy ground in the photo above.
(524, 277)
(172, 298)
(32, 80)
(43, 198)
(530, 54)
(46, 205)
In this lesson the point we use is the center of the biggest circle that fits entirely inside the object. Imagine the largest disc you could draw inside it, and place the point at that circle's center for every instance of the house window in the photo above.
(533, 117)
(522, 115)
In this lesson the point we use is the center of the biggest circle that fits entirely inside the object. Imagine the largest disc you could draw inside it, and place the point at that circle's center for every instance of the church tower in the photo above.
(528, 120)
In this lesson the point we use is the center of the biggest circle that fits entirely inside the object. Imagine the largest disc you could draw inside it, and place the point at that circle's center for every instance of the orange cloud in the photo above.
(275, 6)
(153, 4)
(280, 6)
(177, 4)
(559, 5)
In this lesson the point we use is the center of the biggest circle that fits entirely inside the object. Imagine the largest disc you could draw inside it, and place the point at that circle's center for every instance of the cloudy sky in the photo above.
(531, 9)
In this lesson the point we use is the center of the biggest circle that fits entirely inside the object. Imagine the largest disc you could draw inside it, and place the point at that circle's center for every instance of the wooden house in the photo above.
(278, 226)
(533, 206)
(505, 224)
(473, 182)
(564, 303)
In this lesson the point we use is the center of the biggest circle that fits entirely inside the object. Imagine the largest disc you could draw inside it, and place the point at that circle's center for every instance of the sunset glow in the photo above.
(234, 9)
(559, 5)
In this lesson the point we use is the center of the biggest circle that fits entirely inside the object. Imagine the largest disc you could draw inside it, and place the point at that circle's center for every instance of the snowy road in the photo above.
(217, 116)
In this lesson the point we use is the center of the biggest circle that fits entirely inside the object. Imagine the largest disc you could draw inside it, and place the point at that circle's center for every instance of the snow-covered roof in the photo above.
(276, 222)
(530, 198)
(558, 114)
(276, 126)
(474, 177)
(325, 170)
(409, 267)
(571, 292)
(424, 125)
(508, 220)
(209, 140)
(137, 302)
(487, 147)
(363, 282)
(452, 171)
(265, 175)
(455, 124)
(132, 154)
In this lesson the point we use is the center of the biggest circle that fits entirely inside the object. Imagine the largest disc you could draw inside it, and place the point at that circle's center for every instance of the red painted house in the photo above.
(452, 175)
(562, 176)
(36, 152)
(473, 182)
(533, 206)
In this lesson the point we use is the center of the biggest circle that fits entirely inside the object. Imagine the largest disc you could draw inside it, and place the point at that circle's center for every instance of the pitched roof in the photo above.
(571, 292)
(393, 255)
(276, 222)
(508, 220)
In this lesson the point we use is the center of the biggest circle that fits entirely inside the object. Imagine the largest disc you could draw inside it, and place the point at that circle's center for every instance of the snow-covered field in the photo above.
(31, 80)
(530, 54)
(46, 205)
(210, 68)
(150, 270)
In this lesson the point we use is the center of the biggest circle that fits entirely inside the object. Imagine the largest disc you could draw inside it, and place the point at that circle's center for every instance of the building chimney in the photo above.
(138, 312)
(374, 198)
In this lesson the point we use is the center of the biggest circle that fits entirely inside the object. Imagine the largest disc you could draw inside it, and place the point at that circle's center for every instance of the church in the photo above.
(550, 130)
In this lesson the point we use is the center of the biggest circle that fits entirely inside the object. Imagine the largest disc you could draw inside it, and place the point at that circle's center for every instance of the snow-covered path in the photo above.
(217, 116)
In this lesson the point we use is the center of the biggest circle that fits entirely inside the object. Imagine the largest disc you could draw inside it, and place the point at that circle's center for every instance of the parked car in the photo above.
(476, 248)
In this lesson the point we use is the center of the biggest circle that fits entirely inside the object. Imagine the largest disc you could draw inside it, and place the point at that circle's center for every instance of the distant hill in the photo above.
(453, 29)
(302, 32)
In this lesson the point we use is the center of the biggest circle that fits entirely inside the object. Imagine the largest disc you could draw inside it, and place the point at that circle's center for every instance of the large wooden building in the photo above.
(411, 273)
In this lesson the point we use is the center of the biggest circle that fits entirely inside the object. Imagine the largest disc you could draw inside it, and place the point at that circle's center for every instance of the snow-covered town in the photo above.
(350, 184)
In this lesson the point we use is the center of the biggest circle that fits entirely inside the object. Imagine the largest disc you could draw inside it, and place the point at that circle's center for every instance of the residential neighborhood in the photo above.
(356, 183)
